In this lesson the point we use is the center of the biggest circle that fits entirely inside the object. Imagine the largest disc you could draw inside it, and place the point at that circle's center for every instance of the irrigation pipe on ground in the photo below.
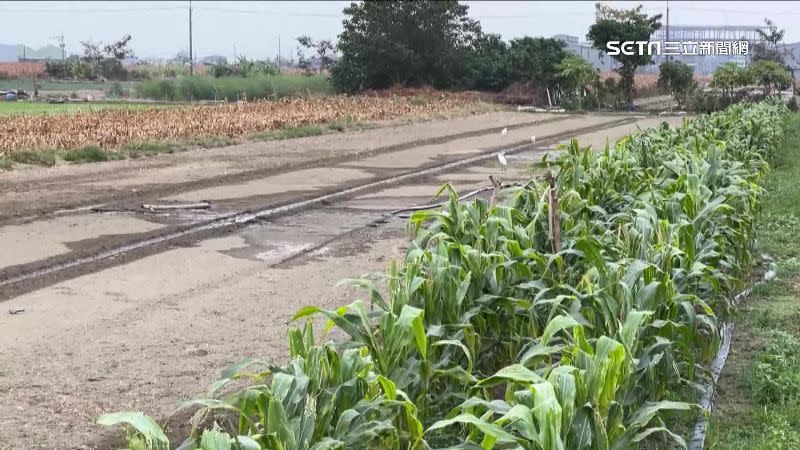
(709, 388)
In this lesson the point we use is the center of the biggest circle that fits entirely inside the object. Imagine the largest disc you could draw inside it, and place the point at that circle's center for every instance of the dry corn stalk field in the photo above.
(113, 128)
(21, 69)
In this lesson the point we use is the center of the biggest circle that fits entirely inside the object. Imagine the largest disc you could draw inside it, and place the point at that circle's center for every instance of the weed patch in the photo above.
(46, 158)
(759, 405)
(89, 153)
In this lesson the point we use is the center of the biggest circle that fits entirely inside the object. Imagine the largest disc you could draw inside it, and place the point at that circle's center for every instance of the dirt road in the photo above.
(151, 330)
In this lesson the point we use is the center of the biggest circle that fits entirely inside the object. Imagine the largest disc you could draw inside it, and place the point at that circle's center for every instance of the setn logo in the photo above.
(631, 47)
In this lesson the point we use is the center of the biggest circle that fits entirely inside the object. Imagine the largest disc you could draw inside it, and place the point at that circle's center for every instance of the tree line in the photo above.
(436, 43)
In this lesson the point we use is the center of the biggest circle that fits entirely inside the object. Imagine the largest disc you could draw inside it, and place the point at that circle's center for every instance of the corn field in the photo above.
(21, 70)
(494, 334)
(112, 128)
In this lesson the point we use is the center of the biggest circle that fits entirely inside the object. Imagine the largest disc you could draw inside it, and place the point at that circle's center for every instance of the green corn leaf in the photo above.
(215, 440)
(154, 438)
(487, 428)
(515, 373)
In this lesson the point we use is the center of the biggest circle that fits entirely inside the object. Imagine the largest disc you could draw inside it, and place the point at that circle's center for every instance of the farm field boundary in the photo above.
(757, 403)
(100, 198)
(582, 312)
(27, 277)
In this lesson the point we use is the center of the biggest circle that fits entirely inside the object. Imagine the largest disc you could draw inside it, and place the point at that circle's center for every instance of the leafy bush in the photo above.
(770, 75)
(707, 102)
(776, 378)
(244, 67)
(532, 324)
(488, 64)
(729, 76)
(70, 68)
(234, 88)
(676, 78)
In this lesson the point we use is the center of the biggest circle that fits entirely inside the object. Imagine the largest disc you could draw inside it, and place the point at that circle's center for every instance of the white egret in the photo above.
(503, 162)
(504, 131)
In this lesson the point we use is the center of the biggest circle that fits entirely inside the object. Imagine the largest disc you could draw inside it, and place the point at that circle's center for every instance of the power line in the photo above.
(85, 11)
(271, 13)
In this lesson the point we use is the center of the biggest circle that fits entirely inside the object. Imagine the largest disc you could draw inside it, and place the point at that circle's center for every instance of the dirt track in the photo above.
(149, 333)
(37, 190)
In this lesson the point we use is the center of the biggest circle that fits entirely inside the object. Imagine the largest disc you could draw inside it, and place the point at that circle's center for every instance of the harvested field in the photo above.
(21, 69)
(113, 128)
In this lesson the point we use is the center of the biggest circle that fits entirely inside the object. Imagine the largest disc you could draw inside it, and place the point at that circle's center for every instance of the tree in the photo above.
(92, 53)
(770, 74)
(677, 79)
(767, 47)
(119, 50)
(182, 57)
(92, 57)
(488, 64)
(302, 63)
(535, 60)
(624, 25)
(406, 43)
(575, 74)
(322, 49)
(729, 76)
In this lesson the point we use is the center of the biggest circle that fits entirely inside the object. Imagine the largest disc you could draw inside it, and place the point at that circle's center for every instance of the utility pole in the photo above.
(279, 51)
(191, 55)
(667, 33)
(60, 40)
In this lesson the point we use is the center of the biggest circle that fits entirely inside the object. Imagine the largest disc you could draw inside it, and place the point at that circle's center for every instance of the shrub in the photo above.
(676, 78)
(233, 88)
(776, 378)
(90, 153)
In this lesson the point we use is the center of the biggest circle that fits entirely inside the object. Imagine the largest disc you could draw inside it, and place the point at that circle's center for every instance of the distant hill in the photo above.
(12, 52)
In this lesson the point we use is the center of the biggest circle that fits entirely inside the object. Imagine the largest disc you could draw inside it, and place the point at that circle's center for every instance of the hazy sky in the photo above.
(160, 29)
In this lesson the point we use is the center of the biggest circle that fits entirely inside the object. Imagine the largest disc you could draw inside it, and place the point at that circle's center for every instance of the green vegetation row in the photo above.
(759, 408)
(234, 88)
(496, 331)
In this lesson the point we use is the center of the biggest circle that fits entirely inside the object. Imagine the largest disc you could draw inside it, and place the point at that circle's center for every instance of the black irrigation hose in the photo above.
(718, 363)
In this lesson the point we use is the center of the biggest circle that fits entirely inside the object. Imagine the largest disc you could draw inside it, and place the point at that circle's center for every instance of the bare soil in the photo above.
(33, 190)
(143, 338)
(149, 333)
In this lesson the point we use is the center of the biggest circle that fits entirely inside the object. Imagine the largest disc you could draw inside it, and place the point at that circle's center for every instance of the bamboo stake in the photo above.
(496, 193)
(554, 219)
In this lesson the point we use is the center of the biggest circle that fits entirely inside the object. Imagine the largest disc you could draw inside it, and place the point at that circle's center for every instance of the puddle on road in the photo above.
(285, 237)
(282, 251)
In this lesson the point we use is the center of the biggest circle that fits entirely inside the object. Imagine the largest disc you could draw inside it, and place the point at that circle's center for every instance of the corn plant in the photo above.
(485, 337)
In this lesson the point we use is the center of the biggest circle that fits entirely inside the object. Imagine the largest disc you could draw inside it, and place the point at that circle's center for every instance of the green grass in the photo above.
(232, 88)
(89, 153)
(289, 133)
(759, 406)
(338, 126)
(29, 108)
(45, 158)
(47, 85)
